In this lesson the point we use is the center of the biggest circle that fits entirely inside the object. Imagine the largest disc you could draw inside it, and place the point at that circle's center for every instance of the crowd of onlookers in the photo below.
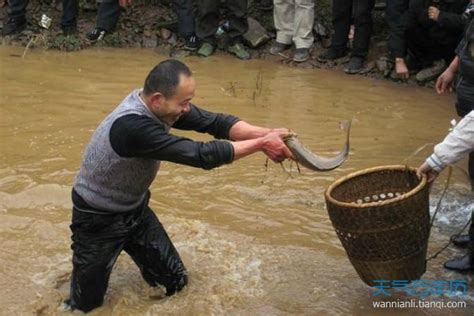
(423, 34)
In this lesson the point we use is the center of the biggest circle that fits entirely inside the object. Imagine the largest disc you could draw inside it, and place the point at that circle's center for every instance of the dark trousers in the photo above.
(358, 11)
(108, 15)
(425, 50)
(70, 11)
(209, 15)
(185, 14)
(97, 242)
(393, 12)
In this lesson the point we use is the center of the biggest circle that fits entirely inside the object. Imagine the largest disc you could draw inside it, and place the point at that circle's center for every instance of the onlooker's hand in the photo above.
(125, 3)
(274, 147)
(433, 13)
(444, 81)
(426, 169)
(401, 69)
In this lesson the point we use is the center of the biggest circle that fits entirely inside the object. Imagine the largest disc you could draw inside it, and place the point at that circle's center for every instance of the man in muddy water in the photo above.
(110, 195)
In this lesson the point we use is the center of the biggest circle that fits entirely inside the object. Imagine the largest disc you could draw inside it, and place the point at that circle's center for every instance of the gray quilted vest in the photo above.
(107, 181)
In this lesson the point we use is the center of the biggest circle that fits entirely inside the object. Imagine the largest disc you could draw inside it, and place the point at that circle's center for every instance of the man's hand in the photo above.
(426, 169)
(274, 147)
(433, 13)
(125, 3)
(401, 69)
(444, 81)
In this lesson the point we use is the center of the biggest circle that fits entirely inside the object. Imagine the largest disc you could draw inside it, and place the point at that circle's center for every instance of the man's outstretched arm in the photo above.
(271, 143)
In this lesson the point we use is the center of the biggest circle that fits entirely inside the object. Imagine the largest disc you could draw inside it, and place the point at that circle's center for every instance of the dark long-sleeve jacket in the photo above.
(446, 31)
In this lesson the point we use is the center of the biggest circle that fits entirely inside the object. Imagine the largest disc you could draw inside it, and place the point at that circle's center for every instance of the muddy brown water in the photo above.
(255, 240)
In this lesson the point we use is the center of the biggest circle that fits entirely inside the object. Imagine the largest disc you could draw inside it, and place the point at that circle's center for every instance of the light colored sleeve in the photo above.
(455, 146)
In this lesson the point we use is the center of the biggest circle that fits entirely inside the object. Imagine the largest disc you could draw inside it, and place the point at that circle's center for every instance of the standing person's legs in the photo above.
(238, 26)
(284, 17)
(362, 14)
(186, 23)
(16, 17)
(341, 20)
(107, 18)
(237, 17)
(207, 20)
(17, 9)
(97, 242)
(185, 14)
(69, 17)
(466, 262)
(303, 23)
(363, 27)
(108, 15)
(393, 13)
(155, 255)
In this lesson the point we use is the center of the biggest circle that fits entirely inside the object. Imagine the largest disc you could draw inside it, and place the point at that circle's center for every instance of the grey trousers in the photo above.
(294, 22)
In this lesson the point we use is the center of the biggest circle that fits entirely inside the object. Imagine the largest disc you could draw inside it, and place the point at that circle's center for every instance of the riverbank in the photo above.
(154, 25)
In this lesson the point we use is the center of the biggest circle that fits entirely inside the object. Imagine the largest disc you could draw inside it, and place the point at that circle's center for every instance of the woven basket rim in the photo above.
(410, 193)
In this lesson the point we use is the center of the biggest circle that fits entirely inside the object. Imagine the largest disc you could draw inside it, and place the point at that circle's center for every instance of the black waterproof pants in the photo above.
(99, 239)
(358, 11)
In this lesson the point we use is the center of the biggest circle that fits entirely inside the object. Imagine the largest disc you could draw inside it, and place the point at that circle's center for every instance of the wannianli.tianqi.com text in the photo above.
(417, 303)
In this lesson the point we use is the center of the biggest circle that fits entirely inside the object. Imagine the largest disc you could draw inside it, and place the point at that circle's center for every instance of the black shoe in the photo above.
(96, 35)
(332, 54)
(14, 26)
(278, 48)
(69, 30)
(356, 65)
(461, 241)
(461, 264)
(192, 43)
(301, 55)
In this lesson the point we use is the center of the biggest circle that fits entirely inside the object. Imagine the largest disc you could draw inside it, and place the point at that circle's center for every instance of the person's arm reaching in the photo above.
(454, 147)
(271, 144)
(202, 121)
(445, 80)
(142, 137)
(230, 127)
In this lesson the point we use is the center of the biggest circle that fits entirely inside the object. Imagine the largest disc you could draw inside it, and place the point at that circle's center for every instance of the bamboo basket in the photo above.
(381, 216)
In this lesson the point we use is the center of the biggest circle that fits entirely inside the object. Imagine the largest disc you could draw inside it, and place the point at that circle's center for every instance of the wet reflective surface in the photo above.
(255, 239)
